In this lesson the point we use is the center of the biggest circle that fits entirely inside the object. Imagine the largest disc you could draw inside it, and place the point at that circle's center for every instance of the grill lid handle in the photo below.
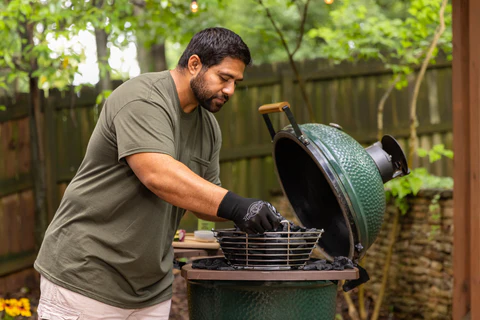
(279, 107)
(273, 107)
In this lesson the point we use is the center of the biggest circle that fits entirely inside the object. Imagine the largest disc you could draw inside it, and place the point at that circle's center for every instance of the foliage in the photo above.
(435, 153)
(12, 308)
(363, 30)
(255, 29)
(399, 189)
(42, 22)
(57, 25)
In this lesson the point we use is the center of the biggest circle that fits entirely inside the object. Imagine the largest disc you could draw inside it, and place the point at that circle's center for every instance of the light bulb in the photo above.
(194, 6)
(328, 1)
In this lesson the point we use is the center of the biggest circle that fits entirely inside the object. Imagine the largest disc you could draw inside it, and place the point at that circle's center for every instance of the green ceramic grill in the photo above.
(332, 182)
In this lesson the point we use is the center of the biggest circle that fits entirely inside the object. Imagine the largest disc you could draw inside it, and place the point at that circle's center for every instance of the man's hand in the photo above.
(250, 215)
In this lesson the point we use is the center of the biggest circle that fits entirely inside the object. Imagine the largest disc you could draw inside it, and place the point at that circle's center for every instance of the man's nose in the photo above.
(229, 88)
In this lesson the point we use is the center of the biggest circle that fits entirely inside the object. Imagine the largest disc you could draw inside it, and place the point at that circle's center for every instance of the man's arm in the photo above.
(208, 217)
(175, 183)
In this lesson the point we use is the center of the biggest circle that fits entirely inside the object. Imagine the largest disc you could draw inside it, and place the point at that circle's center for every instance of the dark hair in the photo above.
(213, 45)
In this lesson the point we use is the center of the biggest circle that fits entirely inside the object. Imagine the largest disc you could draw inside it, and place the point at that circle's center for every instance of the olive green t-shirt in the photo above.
(111, 237)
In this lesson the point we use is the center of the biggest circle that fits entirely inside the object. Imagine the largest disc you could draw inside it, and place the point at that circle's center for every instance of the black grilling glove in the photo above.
(250, 215)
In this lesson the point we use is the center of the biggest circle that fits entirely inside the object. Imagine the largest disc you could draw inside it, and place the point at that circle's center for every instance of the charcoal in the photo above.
(212, 264)
(269, 246)
(339, 263)
(178, 264)
(343, 262)
(256, 252)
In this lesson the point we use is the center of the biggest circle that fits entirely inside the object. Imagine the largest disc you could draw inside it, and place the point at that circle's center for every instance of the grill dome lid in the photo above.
(333, 183)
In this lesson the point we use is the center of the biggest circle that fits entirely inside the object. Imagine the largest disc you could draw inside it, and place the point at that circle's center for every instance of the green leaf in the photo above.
(434, 157)
(448, 154)
(99, 99)
(106, 93)
(415, 184)
(11, 77)
(3, 108)
(422, 152)
(439, 148)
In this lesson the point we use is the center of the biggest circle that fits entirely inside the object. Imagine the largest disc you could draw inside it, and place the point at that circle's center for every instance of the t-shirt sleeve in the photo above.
(143, 127)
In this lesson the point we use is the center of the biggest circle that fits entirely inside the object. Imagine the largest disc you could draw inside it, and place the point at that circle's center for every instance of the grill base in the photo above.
(240, 300)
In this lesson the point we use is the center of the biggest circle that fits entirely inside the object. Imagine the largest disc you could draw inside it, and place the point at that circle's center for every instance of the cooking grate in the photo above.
(279, 250)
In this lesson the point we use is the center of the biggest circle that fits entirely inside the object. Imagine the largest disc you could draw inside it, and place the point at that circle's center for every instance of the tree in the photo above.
(291, 52)
(28, 64)
(160, 21)
(362, 31)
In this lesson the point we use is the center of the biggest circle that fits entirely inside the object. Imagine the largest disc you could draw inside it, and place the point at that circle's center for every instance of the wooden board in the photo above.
(466, 116)
(196, 253)
(257, 275)
(190, 242)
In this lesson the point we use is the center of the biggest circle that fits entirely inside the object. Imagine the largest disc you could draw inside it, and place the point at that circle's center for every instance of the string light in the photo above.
(194, 6)
(328, 1)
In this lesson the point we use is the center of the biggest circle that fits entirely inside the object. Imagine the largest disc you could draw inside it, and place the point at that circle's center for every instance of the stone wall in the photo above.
(420, 280)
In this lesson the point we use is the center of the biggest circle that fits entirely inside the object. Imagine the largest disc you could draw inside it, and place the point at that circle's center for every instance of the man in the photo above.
(153, 154)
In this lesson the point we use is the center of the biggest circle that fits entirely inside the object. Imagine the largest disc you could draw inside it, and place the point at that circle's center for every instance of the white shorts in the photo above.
(58, 303)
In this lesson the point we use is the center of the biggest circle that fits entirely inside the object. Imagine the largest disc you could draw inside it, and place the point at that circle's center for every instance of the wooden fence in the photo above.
(345, 94)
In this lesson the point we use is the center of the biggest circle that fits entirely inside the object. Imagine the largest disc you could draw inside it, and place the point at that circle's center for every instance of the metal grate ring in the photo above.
(282, 250)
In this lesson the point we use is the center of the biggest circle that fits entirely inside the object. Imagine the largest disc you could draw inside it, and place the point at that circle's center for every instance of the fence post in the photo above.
(287, 86)
(287, 94)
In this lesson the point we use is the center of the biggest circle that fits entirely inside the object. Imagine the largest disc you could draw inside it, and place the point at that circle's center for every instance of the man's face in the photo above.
(213, 87)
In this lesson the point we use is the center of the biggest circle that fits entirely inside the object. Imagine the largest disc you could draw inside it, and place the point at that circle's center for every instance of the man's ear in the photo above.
(194, 64)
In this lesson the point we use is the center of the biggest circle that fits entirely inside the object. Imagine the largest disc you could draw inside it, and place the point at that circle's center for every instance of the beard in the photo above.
(204, 97)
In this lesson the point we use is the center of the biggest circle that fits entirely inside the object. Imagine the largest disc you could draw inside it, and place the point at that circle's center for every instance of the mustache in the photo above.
(220, 96)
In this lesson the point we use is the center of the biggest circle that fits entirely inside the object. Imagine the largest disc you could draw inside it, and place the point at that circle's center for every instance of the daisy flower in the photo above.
(11, 307)
(23, 306)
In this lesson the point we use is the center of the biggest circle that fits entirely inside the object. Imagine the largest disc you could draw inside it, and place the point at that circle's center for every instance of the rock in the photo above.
(437, 266)
(447, 212)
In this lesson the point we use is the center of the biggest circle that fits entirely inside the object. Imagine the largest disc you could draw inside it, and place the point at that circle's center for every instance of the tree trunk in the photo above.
(301, 84)
(36, 142)
(153, 58)
(103, 53)
(413, 138)
(386, 266)
(361, 297)
(352, 311)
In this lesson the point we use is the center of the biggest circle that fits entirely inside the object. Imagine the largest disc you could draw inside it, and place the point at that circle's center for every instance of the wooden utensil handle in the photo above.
(273, 107)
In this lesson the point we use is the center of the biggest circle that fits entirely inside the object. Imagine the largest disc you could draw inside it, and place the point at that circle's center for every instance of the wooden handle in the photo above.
(273, 107)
